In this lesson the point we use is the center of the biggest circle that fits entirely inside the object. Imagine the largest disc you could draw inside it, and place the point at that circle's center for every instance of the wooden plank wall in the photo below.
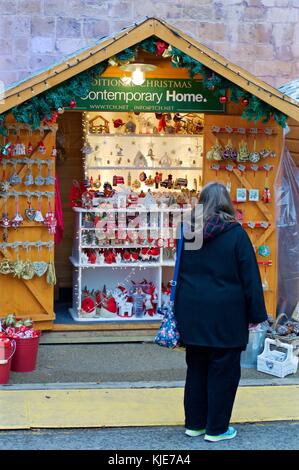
(292, 140)
(69, 138)
(28, 298)
(255, 211)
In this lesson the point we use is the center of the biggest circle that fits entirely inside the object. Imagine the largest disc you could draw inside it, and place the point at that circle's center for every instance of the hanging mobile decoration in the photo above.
(254, 156)
(29, 181)
(41, 147)
(15, 179)
(29, 212)
(17, 220)
(243, 154)
(4, 221)
(39, 179)
(29, 149)
(38, 217)
(265, 283)
(50, 179)
(4, 185)
(20, 148)
(229, 153)
(266, 195)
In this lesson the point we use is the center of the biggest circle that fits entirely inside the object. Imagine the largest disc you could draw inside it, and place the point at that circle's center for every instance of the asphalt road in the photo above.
(261, 436)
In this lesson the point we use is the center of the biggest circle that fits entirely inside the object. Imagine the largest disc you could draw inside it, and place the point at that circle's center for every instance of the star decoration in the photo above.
(5, 186)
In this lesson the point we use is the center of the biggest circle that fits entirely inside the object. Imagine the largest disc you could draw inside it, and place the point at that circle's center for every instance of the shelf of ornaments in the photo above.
(128, 210)
(144, 135)
(116, 318)
(134, 264)
(132, 168)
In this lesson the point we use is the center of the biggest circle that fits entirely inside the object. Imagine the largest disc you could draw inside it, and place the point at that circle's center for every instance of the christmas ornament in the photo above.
(15, 179)
(29, 180)
(243, 153)
(253, 195)
(161, 46)
(17, 220)
(28, 271)
(245, 101)
(4, 221)
(73, 104)
(50, 222)
(222, 99)
(54, 152)
(88, 306)
(39, 179)
(5, 186)
(20, 149)
(6, 267)
(30, 213)
(216, 151)
(60, 110)
(29, 149)
(266, 196)
(241, 195)
(41, 147)
(264, 250)
(229, 153)
(40, 268)
(51, 276)
(254, 156)
(117, 123)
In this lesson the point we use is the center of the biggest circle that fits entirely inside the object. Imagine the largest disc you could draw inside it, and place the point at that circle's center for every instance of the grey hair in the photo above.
(216, 201)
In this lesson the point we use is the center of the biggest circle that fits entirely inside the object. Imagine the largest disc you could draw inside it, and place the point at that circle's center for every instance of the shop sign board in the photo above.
(155, 95)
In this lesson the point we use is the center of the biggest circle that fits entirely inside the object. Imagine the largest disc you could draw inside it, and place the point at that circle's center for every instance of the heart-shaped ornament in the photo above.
(40, 268)
(30, 214)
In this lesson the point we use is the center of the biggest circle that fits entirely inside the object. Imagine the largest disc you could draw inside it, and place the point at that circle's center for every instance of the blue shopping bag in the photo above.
(168, 334)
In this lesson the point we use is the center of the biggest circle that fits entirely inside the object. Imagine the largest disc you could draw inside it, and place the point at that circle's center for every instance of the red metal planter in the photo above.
(24, 359)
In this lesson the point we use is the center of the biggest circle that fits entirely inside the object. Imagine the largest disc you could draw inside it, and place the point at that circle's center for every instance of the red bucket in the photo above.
(5, 364)
(24, 359)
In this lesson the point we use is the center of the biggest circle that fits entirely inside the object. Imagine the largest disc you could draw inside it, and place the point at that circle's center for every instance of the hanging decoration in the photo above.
(46, 106)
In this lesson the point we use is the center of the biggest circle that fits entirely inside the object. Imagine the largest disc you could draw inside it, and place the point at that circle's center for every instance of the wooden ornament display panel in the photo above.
(32, 298)
(253, 211)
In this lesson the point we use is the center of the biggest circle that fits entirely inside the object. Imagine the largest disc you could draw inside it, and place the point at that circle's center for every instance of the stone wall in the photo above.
(260, 35)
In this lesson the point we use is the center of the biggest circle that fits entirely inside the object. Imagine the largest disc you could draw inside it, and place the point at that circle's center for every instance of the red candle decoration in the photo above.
(223, 99)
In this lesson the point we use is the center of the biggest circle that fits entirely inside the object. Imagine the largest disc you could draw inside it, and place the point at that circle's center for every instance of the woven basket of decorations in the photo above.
(286, 330)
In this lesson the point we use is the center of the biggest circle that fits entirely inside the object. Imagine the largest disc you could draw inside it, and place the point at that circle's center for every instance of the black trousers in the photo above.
(213, 375)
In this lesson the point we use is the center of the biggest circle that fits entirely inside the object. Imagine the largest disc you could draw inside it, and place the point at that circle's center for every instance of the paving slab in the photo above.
(117, 362)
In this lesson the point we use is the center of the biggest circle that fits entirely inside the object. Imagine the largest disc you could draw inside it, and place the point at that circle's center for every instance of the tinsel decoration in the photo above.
(41, 107)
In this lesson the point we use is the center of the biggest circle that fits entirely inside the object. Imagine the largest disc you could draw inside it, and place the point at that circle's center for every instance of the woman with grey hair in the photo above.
(219, 292)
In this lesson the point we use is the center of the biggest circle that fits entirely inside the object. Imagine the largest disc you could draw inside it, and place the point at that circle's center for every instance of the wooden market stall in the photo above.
(29, 290)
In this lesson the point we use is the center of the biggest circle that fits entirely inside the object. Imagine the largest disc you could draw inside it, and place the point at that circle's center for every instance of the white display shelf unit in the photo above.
(144, 135)
(95, 276)
(120, 167)
(115, 153)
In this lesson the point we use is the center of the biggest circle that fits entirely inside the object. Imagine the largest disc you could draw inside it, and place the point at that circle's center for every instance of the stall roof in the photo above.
(111, 45)
(291, 89)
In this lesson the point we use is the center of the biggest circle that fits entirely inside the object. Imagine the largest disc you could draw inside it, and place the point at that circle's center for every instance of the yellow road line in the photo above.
(133, 407)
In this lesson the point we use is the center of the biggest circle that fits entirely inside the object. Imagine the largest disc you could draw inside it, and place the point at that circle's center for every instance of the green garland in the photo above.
(41, 107)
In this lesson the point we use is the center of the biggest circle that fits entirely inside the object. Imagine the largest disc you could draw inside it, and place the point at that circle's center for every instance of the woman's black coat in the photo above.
(219, 291)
